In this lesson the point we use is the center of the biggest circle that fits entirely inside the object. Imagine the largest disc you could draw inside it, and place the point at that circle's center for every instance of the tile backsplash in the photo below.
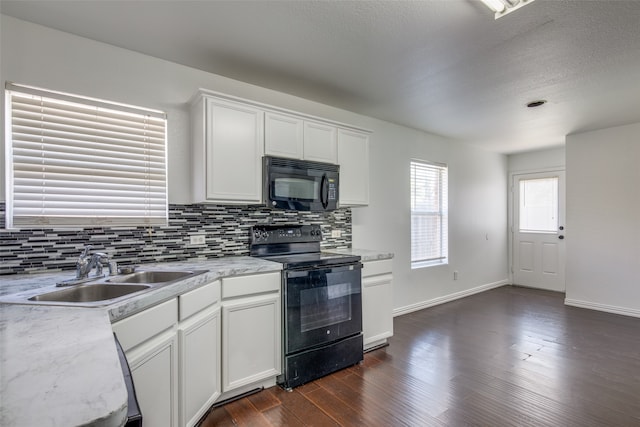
(226, 229)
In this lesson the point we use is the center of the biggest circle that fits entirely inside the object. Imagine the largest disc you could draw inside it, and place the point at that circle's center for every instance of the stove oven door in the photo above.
(323, 305)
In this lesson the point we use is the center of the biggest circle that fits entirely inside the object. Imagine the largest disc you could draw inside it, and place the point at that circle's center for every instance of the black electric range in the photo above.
(321, 302)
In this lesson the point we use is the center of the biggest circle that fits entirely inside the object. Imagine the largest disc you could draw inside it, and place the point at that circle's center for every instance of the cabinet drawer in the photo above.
(198, 299)
(247, 285)
(374, 268)
(140, 327)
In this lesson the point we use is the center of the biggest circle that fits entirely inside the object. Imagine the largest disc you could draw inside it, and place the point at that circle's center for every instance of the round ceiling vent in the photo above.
(537, 103)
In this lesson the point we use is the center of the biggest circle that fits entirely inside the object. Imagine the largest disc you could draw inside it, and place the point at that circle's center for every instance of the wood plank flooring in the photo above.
(506, 357)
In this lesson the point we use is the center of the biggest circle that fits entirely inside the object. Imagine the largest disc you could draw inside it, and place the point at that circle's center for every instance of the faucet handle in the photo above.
(85, 251)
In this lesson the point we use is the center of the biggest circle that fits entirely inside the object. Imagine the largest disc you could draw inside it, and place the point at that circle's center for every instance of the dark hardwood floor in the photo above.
(506, 357)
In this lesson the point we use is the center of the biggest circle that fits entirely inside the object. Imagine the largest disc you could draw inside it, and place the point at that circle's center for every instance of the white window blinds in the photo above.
(74, 161)
(429, 214)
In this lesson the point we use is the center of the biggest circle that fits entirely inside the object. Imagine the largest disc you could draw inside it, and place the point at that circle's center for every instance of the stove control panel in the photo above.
(265, 234)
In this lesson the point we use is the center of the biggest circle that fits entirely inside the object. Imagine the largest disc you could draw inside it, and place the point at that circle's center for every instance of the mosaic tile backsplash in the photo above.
(226, 229)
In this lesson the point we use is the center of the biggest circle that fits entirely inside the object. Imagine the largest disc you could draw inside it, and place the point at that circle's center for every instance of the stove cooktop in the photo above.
(312, 259)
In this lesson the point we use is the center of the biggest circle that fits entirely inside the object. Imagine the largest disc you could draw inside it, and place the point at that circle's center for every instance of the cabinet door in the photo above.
(251, 338)
(320, 143)
(283, 135)
(154, 372)
(353, 158)
(377, 309)
(234, 147)
(199, 367)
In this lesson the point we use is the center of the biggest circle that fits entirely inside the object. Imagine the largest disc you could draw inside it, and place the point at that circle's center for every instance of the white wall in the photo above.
(552, 158)
(477, 215)
(603, 216)
(39, 56)
(47, 58)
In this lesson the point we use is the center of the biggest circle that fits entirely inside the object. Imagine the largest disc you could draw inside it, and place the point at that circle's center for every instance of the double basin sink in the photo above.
(114, 288)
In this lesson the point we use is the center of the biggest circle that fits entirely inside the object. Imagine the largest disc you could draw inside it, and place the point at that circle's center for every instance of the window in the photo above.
(74, 161)
(539, 205)
(429, 214)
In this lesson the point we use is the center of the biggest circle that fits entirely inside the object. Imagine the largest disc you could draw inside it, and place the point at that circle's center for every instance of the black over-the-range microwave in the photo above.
(300, 185)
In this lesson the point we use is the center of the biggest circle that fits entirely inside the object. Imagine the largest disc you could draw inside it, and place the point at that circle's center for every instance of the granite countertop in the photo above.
(365, 255)
(59, 365)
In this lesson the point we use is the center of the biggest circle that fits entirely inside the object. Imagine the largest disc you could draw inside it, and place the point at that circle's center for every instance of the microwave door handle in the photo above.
(324, 192)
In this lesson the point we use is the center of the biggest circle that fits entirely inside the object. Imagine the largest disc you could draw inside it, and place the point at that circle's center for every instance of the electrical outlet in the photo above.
(336, 233)
(455, 275)
(197, 239)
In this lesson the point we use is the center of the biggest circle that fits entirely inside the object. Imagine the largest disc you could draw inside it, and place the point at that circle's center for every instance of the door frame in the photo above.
(511, 207)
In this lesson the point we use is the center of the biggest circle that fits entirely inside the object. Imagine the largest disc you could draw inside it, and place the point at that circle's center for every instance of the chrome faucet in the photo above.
(86, 263)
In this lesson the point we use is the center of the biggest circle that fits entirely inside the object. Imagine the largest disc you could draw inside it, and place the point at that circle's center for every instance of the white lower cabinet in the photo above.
(150, 344)
(154, 372)
(199, 367)
(199, 355)
(377, 302)
(185, 353)
(251, 332)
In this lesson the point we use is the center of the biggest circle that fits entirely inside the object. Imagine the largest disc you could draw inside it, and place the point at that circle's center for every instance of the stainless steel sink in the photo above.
(90, 293)
(157, 276)
(100, 292)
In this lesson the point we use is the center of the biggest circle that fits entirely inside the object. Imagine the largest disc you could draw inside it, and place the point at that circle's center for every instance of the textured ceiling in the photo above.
(443, 66)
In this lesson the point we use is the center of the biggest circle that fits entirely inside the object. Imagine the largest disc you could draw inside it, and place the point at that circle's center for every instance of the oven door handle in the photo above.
(302, 272)
(295, 274)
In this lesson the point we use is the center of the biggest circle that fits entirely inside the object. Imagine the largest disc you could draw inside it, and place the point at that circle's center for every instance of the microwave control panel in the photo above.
(333, 189)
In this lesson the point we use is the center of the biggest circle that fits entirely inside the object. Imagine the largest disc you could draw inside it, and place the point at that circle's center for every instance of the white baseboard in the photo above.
(447, 298)
(602, 307)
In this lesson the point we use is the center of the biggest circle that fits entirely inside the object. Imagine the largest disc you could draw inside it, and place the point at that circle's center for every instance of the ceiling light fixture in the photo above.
(503, 7)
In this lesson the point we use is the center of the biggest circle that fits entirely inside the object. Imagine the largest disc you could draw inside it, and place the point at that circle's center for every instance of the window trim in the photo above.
(72, 150)
(442, 213)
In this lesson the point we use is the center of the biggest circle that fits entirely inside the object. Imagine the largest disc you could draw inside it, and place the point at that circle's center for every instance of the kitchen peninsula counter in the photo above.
(59, 365)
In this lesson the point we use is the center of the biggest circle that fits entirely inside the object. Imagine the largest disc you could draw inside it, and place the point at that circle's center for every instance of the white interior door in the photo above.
(538, 230)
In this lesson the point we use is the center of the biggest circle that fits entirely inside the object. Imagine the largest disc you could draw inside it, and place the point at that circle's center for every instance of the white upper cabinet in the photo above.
(227, 152)
(296, 138)
(231, 135)
(320, 142)
(353, 158)
(283, 135)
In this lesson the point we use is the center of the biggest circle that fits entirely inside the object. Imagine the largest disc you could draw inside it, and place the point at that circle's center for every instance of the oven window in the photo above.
(295, 188)
(325, 306)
